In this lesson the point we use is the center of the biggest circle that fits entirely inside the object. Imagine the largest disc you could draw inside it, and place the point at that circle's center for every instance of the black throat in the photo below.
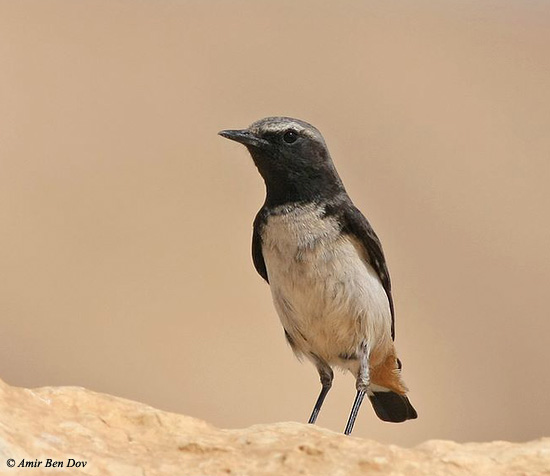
(298, 181)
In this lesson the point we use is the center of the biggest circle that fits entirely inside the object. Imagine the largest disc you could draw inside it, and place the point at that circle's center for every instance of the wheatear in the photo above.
(325, 266)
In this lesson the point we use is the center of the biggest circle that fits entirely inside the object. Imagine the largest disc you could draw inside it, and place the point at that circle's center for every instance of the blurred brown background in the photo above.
(126, 222)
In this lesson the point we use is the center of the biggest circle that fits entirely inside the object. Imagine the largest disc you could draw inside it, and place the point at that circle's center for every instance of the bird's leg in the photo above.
(326, 374)
(361, 384)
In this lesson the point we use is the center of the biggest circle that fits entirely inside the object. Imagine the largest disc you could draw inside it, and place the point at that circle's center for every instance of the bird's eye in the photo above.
(290, 136)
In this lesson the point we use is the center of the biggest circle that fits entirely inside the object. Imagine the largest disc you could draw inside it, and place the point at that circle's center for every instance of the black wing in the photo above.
(353, 222)
(257, 256)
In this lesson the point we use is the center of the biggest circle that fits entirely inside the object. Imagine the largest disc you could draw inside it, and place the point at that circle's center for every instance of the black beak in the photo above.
(244, 137)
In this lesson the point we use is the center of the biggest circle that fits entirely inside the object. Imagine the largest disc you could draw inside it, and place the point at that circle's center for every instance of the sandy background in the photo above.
(126, 222)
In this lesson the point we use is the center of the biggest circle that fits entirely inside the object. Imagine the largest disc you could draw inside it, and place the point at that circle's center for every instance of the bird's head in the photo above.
(292, 157)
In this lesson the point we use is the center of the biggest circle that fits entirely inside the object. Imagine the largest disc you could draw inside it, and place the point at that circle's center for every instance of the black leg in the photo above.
(362, 383)
(319, 404)
(354, 410)
(326, 374)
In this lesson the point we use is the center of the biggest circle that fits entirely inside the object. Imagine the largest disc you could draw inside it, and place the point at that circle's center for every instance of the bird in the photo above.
(325, 267)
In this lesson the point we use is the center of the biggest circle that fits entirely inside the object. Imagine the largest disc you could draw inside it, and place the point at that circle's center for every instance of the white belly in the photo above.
(329, 299)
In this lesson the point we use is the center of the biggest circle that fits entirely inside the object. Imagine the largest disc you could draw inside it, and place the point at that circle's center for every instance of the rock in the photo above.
(96, 434)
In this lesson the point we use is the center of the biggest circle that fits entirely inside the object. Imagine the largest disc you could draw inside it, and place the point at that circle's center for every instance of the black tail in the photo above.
(390, 406)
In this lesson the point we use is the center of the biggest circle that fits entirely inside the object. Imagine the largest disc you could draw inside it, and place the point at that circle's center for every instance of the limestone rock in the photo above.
(119, 437)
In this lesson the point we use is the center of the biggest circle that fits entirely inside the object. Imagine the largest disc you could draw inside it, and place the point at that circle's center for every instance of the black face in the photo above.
(292, 157)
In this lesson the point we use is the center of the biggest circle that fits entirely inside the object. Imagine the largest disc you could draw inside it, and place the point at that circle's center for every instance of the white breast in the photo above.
(328, 297)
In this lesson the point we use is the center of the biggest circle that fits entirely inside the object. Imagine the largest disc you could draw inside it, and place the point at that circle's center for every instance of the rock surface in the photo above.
(119, 437)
